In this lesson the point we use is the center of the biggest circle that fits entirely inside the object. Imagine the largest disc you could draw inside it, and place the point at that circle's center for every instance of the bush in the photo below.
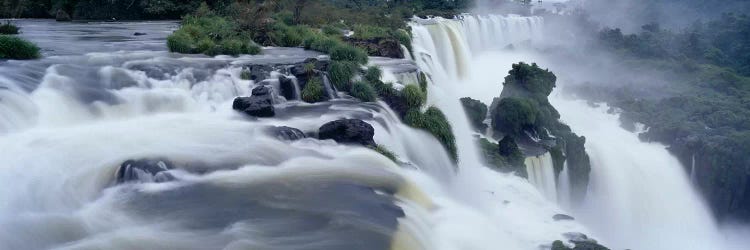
(404, 38)
(414, 96)
(210, 35)
(363, 91)
(385, 152)
(345, 52)
(341, 73)
(8, 29)
(434, 121)
(514, 115)
(373, 74)
(313, 91)
(367, 32)
(476, 111)
(12, 47)
(530, 79)
(422, 78)
(330, 30)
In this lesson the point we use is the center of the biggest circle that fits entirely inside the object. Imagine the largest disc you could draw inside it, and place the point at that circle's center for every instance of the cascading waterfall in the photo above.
(639, 197)
(70, 121)
(542, 174)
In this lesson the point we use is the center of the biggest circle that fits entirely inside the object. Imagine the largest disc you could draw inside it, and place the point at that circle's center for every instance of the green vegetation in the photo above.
(414, 96)
(513, 162)
(385, 152)
(8, 29)
(210, 34)
(476, 112)
(514, 115)
(313, 91)
(373, 74)
(422, 78)
(363, 91)
(433, 120)
(12, 47)
(341, 73)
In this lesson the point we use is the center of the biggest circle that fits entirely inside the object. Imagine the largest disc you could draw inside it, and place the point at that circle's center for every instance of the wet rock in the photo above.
(62, 16)
(286, 133)
(144, 170)
(580, 242)
(139, 34)
(385, 47)
(559, 217)
(288, 90)
(352, 131)
(260, 104)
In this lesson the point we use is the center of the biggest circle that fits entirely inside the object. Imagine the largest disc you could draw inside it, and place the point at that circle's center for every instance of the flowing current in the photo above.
(70, 120)
(638, 198)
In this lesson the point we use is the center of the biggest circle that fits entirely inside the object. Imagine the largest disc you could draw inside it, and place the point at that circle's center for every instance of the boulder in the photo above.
(348, 131)
(559, 217)
(260, 104)
(286, 133)
(288, 90)
(139, 34)
(62, 16)
(144, 170)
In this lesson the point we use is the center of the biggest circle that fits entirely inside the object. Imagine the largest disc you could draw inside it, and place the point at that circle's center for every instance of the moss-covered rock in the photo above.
(492, 157)
(514, 115)
(363, 91)
(414, 96)
(476, 112)
(313, 91)
(434, 121)
(12, 47)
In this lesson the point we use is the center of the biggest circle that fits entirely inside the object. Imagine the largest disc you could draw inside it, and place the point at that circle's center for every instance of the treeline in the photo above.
(174, 9)
(702, 112)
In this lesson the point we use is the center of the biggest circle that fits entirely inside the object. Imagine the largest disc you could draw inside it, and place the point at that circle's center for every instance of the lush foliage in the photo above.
(373, 74)
(313, 91)
(363, 91)
(530, 80)
(341, 74)
(433, 120)
(477, 112)
(211, 35)
(8, 29)
(12, 47)
(414, 96)
(515, 115)
(385, 152)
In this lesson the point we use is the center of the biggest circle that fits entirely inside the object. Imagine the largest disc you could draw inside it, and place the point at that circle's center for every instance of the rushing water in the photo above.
(639, 197)
(102, 96)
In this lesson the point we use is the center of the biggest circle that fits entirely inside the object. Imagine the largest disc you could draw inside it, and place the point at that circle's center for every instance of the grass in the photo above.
(341, 74)
(415, 98)
(346, 52)
(385, 152)
(313, 91)
(211, 35)
(8, 29)
(363, 91)
(433, 120)
(373, 74)
(12, 47)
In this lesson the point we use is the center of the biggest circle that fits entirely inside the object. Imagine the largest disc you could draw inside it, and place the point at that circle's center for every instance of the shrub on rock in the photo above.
(476, 112)
(313, 91)
(12, 47)
(415, 98)
(514, 115)
(363, 92)
(8, 29)
(434, 121)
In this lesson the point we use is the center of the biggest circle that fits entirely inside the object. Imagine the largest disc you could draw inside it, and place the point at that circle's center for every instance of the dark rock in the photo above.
(348, 131)
(144, 170)
(288, 90)
(559, 217)
(286, 133)
(581, 242)
(385, 47)
(139, 34)
(477, 112)
(260, 104)
(62, 16)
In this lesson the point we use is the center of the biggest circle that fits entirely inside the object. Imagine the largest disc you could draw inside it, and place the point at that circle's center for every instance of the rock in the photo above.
(288, 90)
(348, 131)
(144, 170)
(559, 217)
(260, 104)
(385, 47)
(286, 133)
(581, 242)
(139, 34)
(62, 16)
(477, 112)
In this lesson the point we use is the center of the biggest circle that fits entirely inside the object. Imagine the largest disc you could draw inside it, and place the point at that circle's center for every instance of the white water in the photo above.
(542, 174)
(638, 197)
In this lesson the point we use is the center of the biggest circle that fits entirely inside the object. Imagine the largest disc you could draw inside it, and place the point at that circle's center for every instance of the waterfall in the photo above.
(639, 197)
(542, 174)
